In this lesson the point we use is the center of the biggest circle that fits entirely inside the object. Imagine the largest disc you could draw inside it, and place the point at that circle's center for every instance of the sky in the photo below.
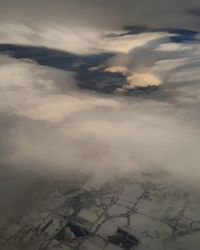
(113, 88)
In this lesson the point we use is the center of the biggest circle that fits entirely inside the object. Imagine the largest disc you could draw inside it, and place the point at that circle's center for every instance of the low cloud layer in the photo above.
(55, 132)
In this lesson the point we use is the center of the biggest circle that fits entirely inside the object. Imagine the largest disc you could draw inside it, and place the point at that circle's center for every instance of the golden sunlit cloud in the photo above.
(117, 69)
(142, 80)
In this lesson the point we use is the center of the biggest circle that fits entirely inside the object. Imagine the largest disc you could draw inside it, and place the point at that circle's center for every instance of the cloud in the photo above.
(127, 43)
(155, 61)
(53, 132)
(117, 12)
(79, 26)
(78, 40)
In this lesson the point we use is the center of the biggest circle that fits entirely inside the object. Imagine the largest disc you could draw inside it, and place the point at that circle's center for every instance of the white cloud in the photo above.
(78, 40)
(54, 132)
(124, 44)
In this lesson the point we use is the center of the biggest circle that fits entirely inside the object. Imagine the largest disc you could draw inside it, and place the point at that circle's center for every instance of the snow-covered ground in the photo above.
(160, 213)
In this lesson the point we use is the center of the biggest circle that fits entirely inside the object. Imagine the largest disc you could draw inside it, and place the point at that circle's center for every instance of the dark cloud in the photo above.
(41, 22)
(195, 11)
(115, 13)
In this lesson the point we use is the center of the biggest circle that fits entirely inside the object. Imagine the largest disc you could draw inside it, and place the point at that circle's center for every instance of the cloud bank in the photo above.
(56, 132)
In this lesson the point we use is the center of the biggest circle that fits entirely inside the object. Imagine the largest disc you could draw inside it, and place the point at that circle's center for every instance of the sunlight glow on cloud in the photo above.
(127, 43)
(142, 80)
